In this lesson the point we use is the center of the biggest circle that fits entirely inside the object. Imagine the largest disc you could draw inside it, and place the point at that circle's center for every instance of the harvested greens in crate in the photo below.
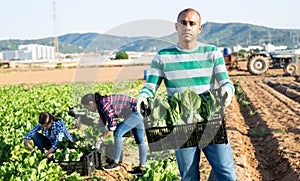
(185, 120)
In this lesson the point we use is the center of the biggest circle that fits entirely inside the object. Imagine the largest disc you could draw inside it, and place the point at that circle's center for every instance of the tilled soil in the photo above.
(278, 115)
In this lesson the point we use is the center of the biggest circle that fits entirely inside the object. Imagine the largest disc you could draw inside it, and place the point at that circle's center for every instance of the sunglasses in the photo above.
(184, 22)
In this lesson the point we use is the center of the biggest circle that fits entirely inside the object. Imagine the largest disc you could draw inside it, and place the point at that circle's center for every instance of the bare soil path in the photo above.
(84, 74)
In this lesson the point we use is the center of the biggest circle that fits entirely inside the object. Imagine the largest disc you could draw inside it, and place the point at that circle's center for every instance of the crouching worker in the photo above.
(116, 106)
(52, 130)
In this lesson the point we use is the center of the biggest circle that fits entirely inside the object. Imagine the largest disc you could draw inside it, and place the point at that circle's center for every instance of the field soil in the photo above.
(262, 121)
(64, 75)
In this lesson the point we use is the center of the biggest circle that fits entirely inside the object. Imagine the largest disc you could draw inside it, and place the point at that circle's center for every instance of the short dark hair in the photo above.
(45, 118)
(188, 10)
(87, 98)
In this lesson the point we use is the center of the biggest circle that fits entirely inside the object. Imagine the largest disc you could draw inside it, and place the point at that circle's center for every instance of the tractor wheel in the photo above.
(258, 65)
(291, 69)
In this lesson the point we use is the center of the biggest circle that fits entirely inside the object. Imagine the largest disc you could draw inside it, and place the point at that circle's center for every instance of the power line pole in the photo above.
(56, 47)
(249, 38)
(270, 37)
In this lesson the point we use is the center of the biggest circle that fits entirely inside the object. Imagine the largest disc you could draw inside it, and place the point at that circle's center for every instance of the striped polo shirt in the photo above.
(200, 69)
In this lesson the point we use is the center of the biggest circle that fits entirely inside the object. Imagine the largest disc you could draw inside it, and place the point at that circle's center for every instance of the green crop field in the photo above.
(20, 106)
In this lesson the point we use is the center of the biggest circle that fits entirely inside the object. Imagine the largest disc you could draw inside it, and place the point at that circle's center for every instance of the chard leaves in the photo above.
(191, 102)
(183, 108)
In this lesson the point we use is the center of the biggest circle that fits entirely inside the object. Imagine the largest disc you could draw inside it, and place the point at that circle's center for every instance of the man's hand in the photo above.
(226, 95)
(142, 105)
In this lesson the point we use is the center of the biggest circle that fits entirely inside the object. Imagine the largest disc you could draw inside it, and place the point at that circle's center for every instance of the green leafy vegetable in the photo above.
(210, 104)
(183, 108)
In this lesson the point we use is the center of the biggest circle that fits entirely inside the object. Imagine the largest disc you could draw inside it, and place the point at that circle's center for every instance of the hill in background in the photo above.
(222, 35)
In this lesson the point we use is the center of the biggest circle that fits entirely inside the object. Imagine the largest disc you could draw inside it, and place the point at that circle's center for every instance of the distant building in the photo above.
(10, 55)
(30, 52)
(38, 51)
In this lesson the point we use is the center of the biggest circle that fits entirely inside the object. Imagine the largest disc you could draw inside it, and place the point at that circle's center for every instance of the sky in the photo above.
(34, 19)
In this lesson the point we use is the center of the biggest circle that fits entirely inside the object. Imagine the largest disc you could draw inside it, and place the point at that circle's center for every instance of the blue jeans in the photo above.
(219, 156)
(41, 142)
(135, 123)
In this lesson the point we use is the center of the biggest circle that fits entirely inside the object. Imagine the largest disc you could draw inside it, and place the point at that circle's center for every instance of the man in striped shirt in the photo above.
(200, 67)
(110, 108)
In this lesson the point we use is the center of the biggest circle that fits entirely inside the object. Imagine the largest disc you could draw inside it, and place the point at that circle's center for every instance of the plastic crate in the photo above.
(187, 135)
(85, 166)
(99, 159)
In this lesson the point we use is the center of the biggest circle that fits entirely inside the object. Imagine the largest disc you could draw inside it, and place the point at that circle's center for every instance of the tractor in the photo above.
(259, 63)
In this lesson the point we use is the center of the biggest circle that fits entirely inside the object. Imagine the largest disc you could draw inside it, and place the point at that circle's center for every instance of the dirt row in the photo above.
(273, 131)
(291, 89)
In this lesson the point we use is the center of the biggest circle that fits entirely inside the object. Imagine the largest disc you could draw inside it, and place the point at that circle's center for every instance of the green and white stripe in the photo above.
(198, 69)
